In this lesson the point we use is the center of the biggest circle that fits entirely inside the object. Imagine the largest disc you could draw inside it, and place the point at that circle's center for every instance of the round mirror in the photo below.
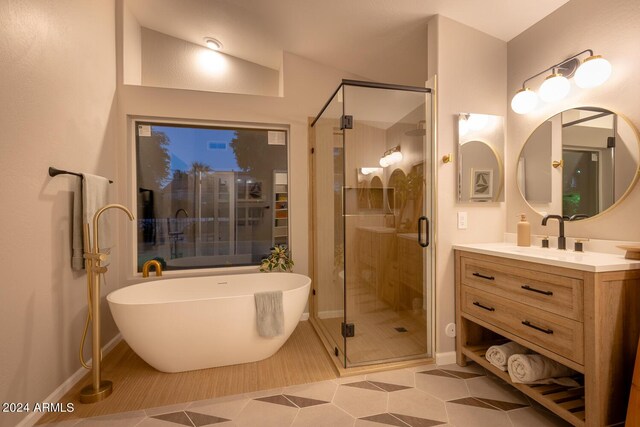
(579, 163)
(480, 172)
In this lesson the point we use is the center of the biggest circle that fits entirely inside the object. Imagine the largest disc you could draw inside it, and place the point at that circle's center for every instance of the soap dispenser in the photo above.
(524, 231)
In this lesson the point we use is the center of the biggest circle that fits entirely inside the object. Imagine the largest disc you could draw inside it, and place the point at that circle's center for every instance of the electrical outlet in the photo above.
(450, 330)
(462, 220)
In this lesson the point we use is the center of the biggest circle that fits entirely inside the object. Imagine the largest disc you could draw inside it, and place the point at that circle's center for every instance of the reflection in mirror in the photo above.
(480, 152)
(578, 163)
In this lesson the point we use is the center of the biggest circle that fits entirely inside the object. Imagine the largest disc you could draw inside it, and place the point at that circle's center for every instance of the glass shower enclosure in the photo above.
(372, 222)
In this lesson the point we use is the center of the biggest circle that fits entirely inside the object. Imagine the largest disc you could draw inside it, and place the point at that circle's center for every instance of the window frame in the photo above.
(132, 122)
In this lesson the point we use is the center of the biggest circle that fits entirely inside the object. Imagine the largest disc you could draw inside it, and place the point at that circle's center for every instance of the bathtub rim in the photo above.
(110, 295)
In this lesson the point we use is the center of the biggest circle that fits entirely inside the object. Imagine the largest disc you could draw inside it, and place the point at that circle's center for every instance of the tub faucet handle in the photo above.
(151, 263)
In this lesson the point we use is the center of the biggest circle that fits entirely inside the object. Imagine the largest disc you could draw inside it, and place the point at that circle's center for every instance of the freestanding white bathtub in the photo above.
(194, 323)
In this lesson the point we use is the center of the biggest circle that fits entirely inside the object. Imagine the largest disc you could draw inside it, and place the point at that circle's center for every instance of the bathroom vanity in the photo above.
(579, 309)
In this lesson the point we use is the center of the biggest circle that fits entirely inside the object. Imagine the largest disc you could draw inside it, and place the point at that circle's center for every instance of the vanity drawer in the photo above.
(550, 292)
(555, 333)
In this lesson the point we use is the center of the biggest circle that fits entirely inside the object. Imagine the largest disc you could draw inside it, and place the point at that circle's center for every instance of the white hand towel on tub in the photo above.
(498, 355)
(537, 369)
(95, 195)
(269, 313)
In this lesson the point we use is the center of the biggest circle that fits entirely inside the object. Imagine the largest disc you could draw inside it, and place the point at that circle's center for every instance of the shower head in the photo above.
(419, 131)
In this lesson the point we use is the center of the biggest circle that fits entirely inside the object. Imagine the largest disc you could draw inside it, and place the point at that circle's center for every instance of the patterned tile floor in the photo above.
(415, 397)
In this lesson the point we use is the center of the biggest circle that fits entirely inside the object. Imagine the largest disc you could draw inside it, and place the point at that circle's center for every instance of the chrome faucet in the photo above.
(562, 241)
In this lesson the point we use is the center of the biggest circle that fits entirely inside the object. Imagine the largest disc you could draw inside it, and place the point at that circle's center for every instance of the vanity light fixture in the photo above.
(594, 71)
(554, 88)
(591, 72)
(213, 44)
(391, 156)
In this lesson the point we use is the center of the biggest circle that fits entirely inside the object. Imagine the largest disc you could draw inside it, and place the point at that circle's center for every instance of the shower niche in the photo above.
(372, 183)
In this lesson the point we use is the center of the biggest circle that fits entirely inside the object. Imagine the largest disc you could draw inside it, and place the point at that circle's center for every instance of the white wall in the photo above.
(174, 63)
(471, 70)
(611, 29)
(132, 48)
(58, 86)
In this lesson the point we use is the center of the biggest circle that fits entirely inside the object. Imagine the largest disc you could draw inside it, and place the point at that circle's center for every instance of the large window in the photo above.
(210, 196)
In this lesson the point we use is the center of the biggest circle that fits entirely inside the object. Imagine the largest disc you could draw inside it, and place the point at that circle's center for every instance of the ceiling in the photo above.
(360, 36)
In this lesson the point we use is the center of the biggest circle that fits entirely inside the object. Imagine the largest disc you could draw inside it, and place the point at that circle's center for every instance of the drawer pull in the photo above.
(476, 303)
(538, 328)
(484, 277)
(529, 288)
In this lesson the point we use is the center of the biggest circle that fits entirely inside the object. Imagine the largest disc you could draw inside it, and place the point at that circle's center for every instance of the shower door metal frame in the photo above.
(430, 201)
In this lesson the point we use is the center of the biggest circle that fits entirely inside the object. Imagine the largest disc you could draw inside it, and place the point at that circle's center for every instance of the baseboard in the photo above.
(446, 358)
(305, 316)
(330, 314)
(59, 392)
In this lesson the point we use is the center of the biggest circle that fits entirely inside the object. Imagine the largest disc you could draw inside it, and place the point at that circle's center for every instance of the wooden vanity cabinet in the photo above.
(587, 321)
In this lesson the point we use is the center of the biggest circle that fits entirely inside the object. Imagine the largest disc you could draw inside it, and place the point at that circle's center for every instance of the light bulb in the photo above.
(395, 157)
(594, 71)
(554, 88)
(524, 101)
(384, 161)
(477, 121)
(367, 171)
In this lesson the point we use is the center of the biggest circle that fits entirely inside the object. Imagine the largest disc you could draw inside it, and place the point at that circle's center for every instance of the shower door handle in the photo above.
(426, 231)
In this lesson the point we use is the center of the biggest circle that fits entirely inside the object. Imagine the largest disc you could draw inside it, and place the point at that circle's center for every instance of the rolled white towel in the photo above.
(537, 369)
(498, 355)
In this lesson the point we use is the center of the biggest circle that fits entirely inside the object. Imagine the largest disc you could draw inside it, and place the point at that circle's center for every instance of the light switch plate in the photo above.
(462, 220)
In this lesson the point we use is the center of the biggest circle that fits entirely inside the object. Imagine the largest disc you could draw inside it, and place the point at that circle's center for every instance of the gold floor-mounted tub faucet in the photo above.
(151, 263)
(98, 389)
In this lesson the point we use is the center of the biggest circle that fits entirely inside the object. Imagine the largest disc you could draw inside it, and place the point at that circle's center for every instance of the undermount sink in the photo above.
(586, 261)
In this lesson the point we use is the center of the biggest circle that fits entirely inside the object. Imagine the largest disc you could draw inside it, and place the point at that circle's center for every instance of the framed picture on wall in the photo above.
(481, 183)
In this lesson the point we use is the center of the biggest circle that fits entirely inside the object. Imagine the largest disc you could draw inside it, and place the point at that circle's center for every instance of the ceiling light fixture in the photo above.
(589, 73)
(212, 43)
(391, 156)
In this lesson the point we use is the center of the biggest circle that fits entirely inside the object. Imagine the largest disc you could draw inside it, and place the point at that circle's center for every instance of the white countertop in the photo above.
(585, 261)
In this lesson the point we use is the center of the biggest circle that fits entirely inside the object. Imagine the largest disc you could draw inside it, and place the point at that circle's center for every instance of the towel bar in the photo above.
(55, 172)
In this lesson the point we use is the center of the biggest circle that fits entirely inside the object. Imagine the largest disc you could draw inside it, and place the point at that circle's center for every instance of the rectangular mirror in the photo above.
(480, 158)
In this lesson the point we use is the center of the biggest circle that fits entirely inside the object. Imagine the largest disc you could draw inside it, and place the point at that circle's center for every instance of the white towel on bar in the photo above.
(95, 195)
(498, 355)
(538, 369)
(269, 313)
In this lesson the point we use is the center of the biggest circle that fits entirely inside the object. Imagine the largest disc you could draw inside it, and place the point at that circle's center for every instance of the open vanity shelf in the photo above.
(586, 320)
(567, 402)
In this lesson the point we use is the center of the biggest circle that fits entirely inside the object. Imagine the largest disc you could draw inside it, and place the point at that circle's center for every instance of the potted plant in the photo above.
(278, 260)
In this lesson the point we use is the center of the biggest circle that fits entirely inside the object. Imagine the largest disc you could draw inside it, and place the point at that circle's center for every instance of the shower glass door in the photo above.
(328, 182)
(372, 196)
